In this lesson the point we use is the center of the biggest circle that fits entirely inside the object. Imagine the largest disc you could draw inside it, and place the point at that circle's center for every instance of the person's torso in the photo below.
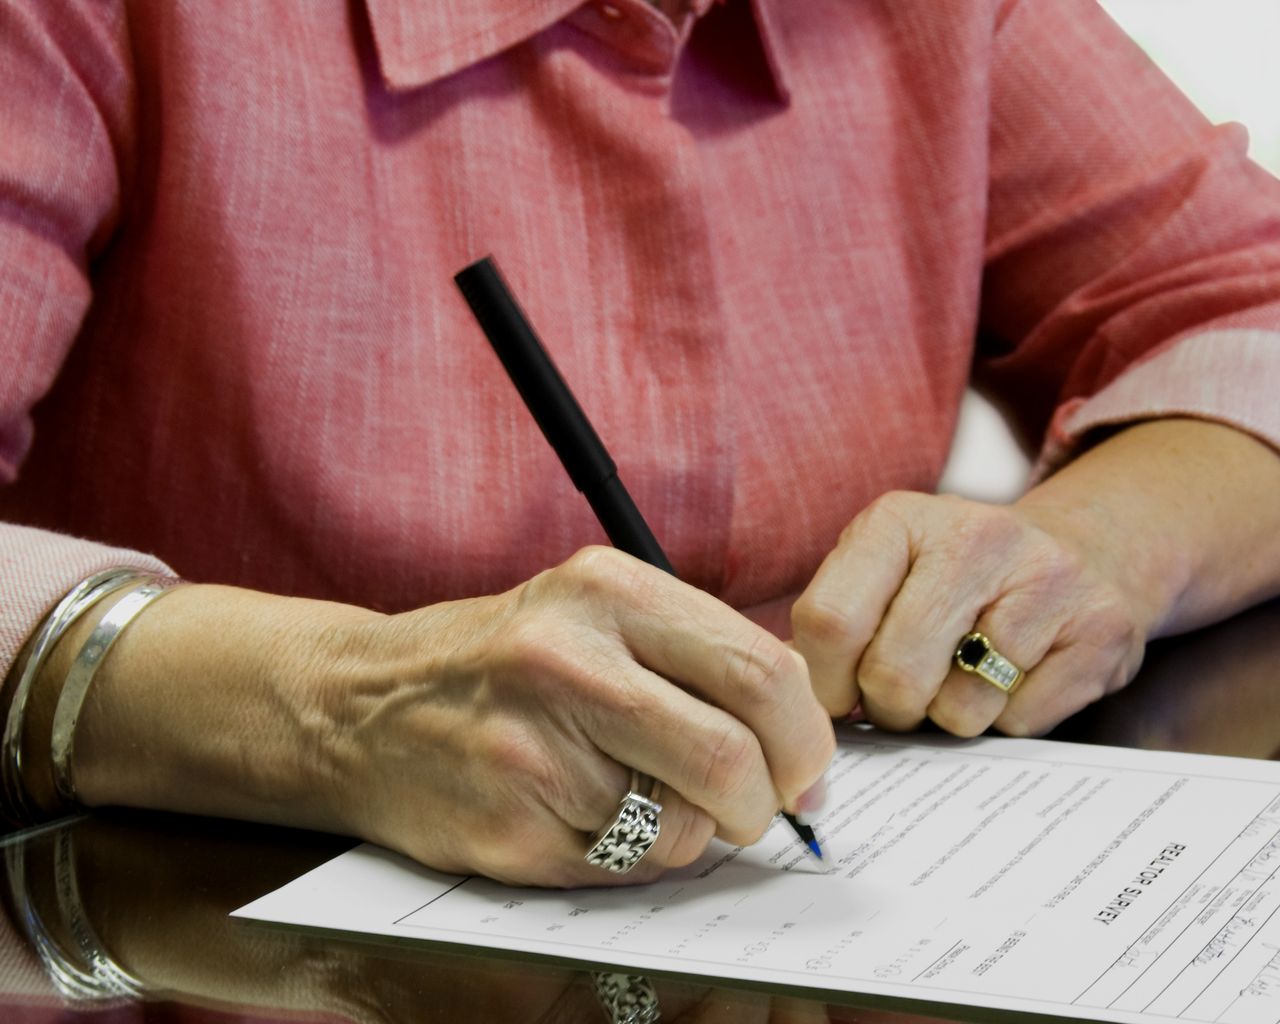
(766, 305)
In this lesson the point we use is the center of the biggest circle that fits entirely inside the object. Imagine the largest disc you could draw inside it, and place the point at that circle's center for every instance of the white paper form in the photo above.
(1028, 875)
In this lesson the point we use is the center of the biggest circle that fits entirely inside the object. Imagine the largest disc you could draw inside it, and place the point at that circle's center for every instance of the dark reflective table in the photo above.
(137, 904)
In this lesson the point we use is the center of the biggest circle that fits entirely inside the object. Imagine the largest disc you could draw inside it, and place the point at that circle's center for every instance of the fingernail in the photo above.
(810, 803)
(856, 715)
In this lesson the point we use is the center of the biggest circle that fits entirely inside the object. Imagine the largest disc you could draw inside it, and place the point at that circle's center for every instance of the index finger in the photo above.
(718, 655)
(837, 616)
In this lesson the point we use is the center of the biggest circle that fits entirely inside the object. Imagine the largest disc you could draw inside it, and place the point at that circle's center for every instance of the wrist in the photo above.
(1140, 559)
(30, 790)
(366, 673)
(1183, 516)
(212, 702)
(37, 749)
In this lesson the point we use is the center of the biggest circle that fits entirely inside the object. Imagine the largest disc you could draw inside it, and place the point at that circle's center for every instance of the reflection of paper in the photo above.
(1023, 874)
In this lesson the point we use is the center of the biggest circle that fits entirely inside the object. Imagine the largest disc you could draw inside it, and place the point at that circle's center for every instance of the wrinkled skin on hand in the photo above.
(494, 735)
(913, 573)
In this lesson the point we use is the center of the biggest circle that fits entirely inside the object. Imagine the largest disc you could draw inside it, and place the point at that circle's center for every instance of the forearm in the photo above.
(1187, 510)
(207, 703)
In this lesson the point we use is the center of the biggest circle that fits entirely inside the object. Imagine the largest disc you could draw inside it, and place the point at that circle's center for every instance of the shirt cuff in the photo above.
(1227, 376)
(38, 567)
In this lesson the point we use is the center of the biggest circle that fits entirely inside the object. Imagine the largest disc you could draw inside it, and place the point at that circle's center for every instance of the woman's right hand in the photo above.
(490, 735)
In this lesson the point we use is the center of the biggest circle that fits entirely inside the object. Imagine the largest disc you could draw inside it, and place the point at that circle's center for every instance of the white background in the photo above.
(1225, 54)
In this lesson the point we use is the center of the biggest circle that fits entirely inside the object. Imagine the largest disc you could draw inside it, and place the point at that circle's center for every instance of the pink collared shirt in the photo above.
(760, 245)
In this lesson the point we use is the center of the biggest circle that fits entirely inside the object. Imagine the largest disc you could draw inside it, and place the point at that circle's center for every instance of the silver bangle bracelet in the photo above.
(71, 700)
(83, 972)
(77, 601)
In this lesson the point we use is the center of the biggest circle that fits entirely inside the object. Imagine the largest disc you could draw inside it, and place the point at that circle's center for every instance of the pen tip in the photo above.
(805, 834)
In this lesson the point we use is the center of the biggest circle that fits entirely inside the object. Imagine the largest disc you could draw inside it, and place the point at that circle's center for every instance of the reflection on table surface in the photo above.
(138, 903)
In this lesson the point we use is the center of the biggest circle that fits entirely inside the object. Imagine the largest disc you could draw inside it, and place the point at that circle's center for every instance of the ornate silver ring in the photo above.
(620, 844)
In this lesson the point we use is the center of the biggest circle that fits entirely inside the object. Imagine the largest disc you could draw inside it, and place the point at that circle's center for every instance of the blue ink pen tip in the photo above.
(805, 833)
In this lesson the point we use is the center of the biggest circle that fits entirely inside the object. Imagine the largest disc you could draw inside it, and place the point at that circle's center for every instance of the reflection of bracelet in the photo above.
(81, 673)
(90, 976)
(14, 801)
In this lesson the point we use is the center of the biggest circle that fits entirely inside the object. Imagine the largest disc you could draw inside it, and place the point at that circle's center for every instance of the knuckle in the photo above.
(890, 685)
(550, 650)
(889, 512)
(590, 561)
(756, 673)
(824, 625)
(723, 766)
(982, 530)
(1108, 626)
(515, 758)
(627, 709)
(597, 571)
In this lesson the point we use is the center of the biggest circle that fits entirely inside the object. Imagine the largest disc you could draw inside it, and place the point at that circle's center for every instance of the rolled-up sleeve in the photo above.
(65, 135)
(1133, 249)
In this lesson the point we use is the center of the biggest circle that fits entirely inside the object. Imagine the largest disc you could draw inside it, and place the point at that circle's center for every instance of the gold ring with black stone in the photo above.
(975, 654)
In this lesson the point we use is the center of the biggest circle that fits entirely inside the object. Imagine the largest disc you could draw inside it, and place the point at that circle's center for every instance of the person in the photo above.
(769, 244)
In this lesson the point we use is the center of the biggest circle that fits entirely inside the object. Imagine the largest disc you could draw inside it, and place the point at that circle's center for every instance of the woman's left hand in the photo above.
(1163, 527)
(913, 573)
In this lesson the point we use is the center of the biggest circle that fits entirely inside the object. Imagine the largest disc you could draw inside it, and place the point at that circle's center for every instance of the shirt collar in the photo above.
(420, 42)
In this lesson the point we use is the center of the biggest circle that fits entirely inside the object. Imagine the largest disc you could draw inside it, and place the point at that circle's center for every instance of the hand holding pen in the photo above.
(635, 828)
(487, 735)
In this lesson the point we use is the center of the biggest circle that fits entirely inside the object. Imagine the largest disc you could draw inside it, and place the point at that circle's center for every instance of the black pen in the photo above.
(566, 427)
